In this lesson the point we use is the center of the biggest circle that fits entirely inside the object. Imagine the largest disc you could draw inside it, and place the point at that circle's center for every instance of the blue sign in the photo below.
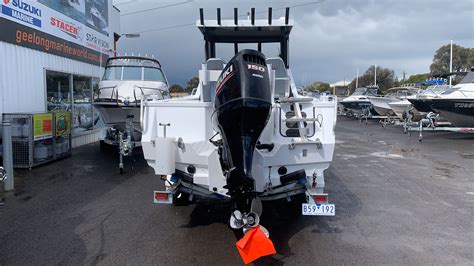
(21, 16)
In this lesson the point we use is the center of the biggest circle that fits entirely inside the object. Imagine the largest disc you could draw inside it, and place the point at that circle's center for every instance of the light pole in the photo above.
(451, 63)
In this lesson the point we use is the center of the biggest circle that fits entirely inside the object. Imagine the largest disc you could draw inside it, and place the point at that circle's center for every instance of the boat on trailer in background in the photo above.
(245, 135)
(358, 103)
(126, 81)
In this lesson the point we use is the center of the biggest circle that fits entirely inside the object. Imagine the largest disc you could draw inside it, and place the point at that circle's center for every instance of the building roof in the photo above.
(341, 83)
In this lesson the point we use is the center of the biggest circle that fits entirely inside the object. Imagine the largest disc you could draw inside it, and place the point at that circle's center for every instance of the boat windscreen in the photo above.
(469, 78)
(153, 74)
(371, 92)
(132, 73)
(112, 73)
(436, 89)
(359, 91)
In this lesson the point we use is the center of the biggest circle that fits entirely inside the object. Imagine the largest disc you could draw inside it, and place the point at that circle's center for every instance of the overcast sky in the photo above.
(329, 41)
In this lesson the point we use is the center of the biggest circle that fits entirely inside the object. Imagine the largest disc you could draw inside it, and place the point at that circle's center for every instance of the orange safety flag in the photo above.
(255, 244)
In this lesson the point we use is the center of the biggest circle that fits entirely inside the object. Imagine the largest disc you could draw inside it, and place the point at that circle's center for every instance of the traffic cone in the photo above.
(254, 244)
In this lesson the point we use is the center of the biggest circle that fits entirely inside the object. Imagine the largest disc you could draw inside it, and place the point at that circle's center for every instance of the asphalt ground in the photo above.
(398, 201)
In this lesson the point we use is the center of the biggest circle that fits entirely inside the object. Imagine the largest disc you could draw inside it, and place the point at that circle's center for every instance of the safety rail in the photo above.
(162, 92)
(143, 101)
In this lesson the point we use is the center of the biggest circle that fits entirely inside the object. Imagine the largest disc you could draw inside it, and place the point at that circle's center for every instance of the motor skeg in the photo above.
(242, 109)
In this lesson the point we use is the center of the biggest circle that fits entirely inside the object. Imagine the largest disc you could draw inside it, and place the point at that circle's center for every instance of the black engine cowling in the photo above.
(242, 108)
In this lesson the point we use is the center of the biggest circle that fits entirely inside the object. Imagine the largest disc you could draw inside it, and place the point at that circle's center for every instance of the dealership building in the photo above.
(52, 54)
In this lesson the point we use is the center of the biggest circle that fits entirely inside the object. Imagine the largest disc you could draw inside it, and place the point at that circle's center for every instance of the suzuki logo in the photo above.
(6, 2)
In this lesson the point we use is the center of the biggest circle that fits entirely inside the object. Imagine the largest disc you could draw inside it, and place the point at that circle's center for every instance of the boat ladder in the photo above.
(300, 118)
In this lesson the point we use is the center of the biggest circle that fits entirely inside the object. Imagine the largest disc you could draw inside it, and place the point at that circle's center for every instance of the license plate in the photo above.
(318, 209)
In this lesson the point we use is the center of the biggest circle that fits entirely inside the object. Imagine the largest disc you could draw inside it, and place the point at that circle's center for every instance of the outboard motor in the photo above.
(242, 109)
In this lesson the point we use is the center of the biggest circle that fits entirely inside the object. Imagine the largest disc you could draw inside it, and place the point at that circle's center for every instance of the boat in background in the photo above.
(414, 104)
(381, 103)
(457, 103)
(126, 81)
(358, 102)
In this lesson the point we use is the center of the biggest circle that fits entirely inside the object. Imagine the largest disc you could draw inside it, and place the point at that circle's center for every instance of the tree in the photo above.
(441, 59)
(176, 88)
(385, 78)
(416, 78)
(470, 58)
(318, 86)
(192, 83)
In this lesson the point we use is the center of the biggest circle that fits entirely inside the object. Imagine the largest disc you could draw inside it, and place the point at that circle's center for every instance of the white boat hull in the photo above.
(191, 127)
(400, 107)
(116, 116)
(380, 104)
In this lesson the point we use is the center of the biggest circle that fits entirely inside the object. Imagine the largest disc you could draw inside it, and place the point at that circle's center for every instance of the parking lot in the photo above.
(398, 201)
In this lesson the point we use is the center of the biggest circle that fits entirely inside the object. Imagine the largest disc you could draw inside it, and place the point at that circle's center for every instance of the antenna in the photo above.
(375, 75)
(235, 16)
(269, 16)
(252, 15)
(357, 79)
(201, 15)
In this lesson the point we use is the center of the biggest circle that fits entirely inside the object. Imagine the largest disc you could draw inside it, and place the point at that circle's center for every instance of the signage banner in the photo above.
(63, 123)
(42, 126)
(28, 37)
(81, 22)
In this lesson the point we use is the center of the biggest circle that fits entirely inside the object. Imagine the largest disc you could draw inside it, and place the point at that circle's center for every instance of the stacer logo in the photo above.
(66, 27)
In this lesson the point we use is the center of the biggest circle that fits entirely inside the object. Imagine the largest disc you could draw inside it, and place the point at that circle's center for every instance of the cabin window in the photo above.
(132, 73)
(113, 73)
(153, 74)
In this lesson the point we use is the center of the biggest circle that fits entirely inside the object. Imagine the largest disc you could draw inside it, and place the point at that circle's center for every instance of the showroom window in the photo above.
(73, 93)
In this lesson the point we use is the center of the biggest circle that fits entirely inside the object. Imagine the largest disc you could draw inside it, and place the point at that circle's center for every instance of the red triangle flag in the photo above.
(255, 244)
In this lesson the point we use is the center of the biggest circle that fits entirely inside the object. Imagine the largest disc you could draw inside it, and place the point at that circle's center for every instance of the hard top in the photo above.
(138, 61)
(246, 31)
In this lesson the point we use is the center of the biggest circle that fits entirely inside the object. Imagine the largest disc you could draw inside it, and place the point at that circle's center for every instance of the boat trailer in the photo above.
(124, 142)
(431, 123)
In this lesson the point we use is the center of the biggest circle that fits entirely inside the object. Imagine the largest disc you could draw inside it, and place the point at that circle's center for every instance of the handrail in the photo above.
(108, 87)
(141, 113)
(163, 93)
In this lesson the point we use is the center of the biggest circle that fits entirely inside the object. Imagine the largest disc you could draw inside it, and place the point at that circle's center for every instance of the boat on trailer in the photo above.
(126, 81)
(358, 102)
(245, 135)
(457, 103)
(381, 104)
